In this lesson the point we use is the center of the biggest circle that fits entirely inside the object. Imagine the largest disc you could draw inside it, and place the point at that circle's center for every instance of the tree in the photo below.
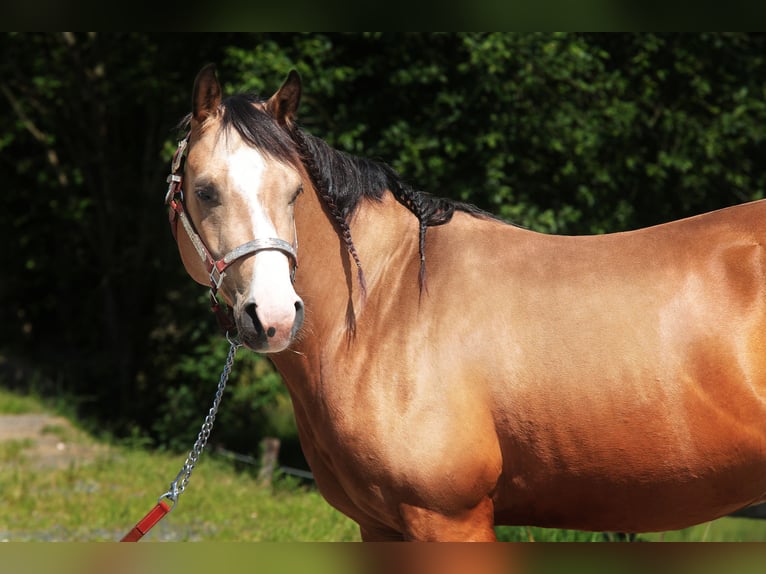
(565, 133)
(85, 154)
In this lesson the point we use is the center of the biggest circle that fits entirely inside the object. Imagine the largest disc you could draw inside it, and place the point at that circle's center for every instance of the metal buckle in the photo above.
(174, 179)
(216, 277)
(174, 186)
(178, 156)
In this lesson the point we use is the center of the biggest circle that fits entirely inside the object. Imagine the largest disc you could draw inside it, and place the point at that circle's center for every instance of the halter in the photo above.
(216, 268)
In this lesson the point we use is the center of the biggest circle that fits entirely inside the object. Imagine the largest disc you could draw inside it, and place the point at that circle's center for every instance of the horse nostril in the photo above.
(298, 315)
(261, 336)
(253, 315)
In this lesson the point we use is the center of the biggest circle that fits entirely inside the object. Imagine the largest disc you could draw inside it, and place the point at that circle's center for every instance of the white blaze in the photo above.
(270, 285)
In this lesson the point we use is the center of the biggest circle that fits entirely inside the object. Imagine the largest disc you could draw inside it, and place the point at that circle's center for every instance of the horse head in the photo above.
(241, 179)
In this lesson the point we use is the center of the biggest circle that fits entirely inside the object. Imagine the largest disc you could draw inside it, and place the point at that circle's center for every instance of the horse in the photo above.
(450, 371)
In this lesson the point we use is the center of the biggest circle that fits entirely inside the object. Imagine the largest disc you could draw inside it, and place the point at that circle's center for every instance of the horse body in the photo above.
(611, 382)
(636, 402)
(606, 383)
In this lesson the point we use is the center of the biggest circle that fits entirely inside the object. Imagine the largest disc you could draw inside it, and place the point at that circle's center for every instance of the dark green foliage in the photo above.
(564, 133)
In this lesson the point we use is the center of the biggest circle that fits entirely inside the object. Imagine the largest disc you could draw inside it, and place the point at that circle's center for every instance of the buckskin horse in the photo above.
(449, 371)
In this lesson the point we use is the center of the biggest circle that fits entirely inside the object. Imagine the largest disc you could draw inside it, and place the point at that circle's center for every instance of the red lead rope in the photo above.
(147, 522)
(178, 486)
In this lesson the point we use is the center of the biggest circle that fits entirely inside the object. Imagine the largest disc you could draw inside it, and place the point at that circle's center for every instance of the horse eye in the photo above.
(207, 194)
(296, 194)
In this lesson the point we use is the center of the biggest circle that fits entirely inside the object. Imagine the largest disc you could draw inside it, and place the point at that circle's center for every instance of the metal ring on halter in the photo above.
(233, 342)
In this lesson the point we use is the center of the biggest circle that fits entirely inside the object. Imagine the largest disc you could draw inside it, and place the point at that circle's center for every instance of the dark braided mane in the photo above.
(342, 180)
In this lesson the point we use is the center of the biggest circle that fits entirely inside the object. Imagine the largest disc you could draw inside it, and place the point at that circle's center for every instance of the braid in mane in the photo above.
(325, 186)
(429, 210)
(343, 180)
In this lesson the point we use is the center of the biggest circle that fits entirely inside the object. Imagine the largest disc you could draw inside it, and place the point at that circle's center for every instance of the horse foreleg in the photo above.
(473, 525)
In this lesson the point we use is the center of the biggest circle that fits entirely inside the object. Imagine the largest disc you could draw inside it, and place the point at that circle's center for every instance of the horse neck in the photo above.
(385, 235)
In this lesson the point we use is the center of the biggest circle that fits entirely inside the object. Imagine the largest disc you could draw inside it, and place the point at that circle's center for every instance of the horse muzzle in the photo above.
(268, 328)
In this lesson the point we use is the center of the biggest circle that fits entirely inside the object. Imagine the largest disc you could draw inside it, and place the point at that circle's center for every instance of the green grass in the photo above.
(12, 451)
(721, 530)
(101, 497)
(17, 404)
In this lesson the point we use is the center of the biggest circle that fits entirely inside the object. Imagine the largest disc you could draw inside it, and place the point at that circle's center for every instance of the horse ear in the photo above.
(206, 96)
(284, 104)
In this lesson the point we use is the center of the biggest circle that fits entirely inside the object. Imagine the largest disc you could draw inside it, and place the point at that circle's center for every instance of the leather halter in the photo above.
(216, 268)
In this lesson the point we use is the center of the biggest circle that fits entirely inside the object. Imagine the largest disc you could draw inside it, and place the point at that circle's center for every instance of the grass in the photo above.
(12, 451)
(101, 497)
(17, 404)
(721, 530)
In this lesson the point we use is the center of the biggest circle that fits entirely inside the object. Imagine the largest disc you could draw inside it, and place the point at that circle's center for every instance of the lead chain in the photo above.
(178, 486)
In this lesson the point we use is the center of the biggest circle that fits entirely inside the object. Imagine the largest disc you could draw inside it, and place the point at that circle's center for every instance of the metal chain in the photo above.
(178, 486)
